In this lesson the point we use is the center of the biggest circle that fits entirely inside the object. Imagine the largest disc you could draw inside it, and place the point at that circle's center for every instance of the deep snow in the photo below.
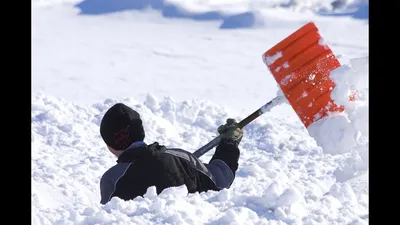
(186, 77)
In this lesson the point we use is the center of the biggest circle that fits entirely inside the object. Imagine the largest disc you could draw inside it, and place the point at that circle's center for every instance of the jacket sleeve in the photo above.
(113, 178)
(106, 190)
(214, 176)
(228, 152)
(218, 174)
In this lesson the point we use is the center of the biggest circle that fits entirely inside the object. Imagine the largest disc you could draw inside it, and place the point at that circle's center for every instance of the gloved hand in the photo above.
(231, 131)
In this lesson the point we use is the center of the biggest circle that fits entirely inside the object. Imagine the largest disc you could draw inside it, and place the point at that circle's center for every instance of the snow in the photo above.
(321, 41)
(285, 65)
(271, 104)
(269, 60)
(347, 132)
(186, 74)
(286, 79)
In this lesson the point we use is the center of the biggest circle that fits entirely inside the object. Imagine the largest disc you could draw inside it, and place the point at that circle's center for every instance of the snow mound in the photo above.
(283, 176)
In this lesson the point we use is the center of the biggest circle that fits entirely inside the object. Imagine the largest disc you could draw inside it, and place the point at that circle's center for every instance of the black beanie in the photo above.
(121, 126)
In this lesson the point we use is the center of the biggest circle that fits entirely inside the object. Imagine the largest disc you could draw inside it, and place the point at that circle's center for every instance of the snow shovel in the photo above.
(301, 64)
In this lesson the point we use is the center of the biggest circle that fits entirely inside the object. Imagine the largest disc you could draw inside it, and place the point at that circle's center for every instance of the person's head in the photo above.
(120, 127)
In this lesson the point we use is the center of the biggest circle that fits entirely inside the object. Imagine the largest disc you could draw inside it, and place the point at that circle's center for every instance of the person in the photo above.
(140, 165)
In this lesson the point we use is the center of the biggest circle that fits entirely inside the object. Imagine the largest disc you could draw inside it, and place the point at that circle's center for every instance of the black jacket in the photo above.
(144, 166)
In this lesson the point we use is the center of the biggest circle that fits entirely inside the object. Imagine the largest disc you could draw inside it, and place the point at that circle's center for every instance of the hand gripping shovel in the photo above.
(277, 100)
(301, 64)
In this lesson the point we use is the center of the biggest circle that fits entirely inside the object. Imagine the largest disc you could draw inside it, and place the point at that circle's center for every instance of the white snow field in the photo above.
(186, 69)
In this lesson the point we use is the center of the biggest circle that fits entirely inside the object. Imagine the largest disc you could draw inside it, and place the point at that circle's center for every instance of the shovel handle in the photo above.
(265, 108)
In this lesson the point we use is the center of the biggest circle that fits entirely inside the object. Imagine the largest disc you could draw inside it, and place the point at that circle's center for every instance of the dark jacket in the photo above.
(143, 166)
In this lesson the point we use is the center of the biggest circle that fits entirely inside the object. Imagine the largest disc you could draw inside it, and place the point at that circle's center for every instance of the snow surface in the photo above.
(186, 76)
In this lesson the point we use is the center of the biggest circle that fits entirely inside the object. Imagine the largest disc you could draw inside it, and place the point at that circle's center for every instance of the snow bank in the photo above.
(283, 176)
(49, 3)
(233, 14)
(347, 132)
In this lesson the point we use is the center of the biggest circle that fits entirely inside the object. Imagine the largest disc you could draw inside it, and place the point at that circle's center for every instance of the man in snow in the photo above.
(140, 166)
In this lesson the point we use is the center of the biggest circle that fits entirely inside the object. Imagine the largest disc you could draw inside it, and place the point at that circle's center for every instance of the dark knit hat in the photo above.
(121, 126)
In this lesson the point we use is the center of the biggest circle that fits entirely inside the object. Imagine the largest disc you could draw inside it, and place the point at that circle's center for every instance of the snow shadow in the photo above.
(242, 20)
(98, 7)
(358, 11)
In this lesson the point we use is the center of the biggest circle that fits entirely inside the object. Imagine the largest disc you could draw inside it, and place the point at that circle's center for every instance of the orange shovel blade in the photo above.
(301, 64)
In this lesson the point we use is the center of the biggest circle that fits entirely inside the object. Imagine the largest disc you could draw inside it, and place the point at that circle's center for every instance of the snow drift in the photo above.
(287, 174)
(237, 14)
(347, 132)
(284, 175)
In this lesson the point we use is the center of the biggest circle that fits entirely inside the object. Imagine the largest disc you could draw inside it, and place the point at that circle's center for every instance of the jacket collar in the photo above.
(138, 151)
(136, 144)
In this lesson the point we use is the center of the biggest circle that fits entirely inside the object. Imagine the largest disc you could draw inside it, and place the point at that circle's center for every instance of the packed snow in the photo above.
(185, 77)
(347, 132)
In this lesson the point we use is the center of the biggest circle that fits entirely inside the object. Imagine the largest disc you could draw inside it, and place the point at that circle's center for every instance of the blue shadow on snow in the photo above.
(242, 20)
(361, 12)
(98, 7)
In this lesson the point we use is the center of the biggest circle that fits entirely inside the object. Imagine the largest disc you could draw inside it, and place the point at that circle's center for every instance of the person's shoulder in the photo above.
(167, 153)
(107, 173)
(180, 153)
(115, 171)
(155, 146)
